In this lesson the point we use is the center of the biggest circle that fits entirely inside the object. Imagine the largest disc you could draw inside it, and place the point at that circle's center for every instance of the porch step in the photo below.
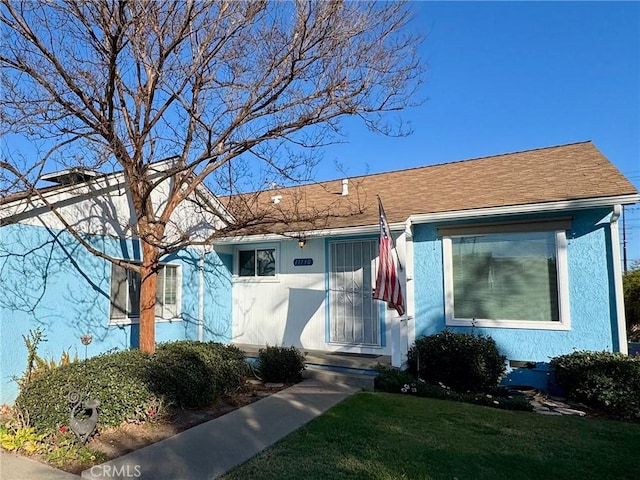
(366, 363)
(365, 381)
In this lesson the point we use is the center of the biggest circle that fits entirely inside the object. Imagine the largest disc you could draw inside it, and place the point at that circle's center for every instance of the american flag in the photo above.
(387, 282)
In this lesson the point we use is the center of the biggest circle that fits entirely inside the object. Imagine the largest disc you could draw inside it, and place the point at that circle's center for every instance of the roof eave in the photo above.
(508, 210)
(528, 208)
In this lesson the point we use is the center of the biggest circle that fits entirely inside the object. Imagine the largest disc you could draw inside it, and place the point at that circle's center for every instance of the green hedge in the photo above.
(606, 381)
(130, 383)
(118, 380)
(192, 374)
(461, 361)
(281, 364)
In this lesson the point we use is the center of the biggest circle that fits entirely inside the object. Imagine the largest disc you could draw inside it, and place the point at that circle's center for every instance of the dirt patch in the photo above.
(118, 441)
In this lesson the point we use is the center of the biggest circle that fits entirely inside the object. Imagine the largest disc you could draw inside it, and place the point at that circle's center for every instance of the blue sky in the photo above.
(511, 76)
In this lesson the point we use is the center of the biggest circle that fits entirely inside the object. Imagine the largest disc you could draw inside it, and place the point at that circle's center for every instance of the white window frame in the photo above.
(166, 315)
(562, 275)
(256, 278)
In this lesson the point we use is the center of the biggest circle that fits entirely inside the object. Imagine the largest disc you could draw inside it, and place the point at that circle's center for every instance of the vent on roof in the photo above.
(276, 198)
(70, 176)
(345, 187)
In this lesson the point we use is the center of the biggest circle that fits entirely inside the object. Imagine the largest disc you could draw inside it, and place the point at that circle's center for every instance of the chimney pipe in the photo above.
(345, 187)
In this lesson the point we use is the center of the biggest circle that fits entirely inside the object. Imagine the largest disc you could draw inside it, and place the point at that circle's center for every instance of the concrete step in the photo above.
(359, 380)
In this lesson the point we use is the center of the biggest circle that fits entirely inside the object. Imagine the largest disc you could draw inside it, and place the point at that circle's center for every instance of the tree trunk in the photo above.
(148, 288)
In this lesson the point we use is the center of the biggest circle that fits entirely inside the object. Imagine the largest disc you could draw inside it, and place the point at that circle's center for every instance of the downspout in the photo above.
(201, 296)
(617, 280)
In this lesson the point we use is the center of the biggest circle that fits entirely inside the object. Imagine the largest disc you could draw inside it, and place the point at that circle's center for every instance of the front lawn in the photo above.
(391, 436)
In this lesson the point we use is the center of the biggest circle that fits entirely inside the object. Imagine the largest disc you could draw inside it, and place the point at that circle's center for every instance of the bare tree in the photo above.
(208, 88)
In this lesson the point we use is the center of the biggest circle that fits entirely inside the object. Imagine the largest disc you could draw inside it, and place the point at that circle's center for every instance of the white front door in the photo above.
(353, 313)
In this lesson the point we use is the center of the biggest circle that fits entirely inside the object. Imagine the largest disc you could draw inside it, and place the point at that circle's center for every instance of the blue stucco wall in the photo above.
(591, 298)
(218, 268)
(49, 280)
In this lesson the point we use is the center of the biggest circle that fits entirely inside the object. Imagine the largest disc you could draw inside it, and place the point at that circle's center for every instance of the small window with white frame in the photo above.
(510, 276)
(257, 262)
(125, 294)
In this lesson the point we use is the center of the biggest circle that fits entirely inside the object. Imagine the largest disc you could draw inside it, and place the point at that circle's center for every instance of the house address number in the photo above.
(302, 262)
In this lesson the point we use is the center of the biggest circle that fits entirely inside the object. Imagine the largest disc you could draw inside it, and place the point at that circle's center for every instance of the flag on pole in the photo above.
(387, 282)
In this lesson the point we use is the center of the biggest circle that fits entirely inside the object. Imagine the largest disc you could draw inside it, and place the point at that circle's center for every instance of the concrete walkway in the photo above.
(213, 448)
(209, 449)
(16, 467)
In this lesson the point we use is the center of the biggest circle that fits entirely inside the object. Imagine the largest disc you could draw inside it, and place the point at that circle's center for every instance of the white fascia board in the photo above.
(105, 183)
(529, 208)
(334, 232)
(69, 194)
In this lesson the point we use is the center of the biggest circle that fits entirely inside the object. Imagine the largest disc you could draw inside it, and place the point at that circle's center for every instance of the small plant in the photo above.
(24, 439)
(64, 449)
(32, 341)
(280, 364)
(393, 380)
(36, 365)
(17, 436)
(464, 362)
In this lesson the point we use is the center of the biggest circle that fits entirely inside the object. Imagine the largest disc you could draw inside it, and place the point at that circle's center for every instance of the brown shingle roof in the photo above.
(567, 172)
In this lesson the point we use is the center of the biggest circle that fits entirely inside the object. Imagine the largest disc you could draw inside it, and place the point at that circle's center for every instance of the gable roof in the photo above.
(553, 174)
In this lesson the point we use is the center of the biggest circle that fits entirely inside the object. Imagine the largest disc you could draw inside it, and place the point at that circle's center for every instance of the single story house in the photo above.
(522, 246)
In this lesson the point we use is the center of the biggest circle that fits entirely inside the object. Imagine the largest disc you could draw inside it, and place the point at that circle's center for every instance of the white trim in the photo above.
(617, 280)
(543, 207)
(562, 270)
(201, 297)
(517, 324)
(335, 232)
(474, 229)
(132, 320)
(236, 278)
(563, 294)
(409, 318)
(447, 265)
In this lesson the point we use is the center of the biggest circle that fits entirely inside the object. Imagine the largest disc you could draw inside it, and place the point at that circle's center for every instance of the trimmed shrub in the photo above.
(130, 384)
(631, 287)
(462, 361)
(393, 380)
(606, 381)
(118, 380)
(280, 364)
(192, 374)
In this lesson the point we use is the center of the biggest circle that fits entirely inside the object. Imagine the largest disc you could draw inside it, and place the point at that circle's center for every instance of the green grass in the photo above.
(391, 436)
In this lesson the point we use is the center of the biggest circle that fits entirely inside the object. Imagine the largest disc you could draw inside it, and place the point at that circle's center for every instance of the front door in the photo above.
(353, 313)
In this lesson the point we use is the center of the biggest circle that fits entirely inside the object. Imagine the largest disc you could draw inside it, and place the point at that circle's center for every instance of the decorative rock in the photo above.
(571, 411)
(557, 399)
(274, 385)
(254, 381)
(547, 412)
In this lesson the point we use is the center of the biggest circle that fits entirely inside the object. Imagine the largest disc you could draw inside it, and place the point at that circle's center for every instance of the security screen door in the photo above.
(353, 313)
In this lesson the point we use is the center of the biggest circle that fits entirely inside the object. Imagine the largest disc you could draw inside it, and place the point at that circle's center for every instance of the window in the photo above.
(506, 279)
(125, 293)
(257, 262)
